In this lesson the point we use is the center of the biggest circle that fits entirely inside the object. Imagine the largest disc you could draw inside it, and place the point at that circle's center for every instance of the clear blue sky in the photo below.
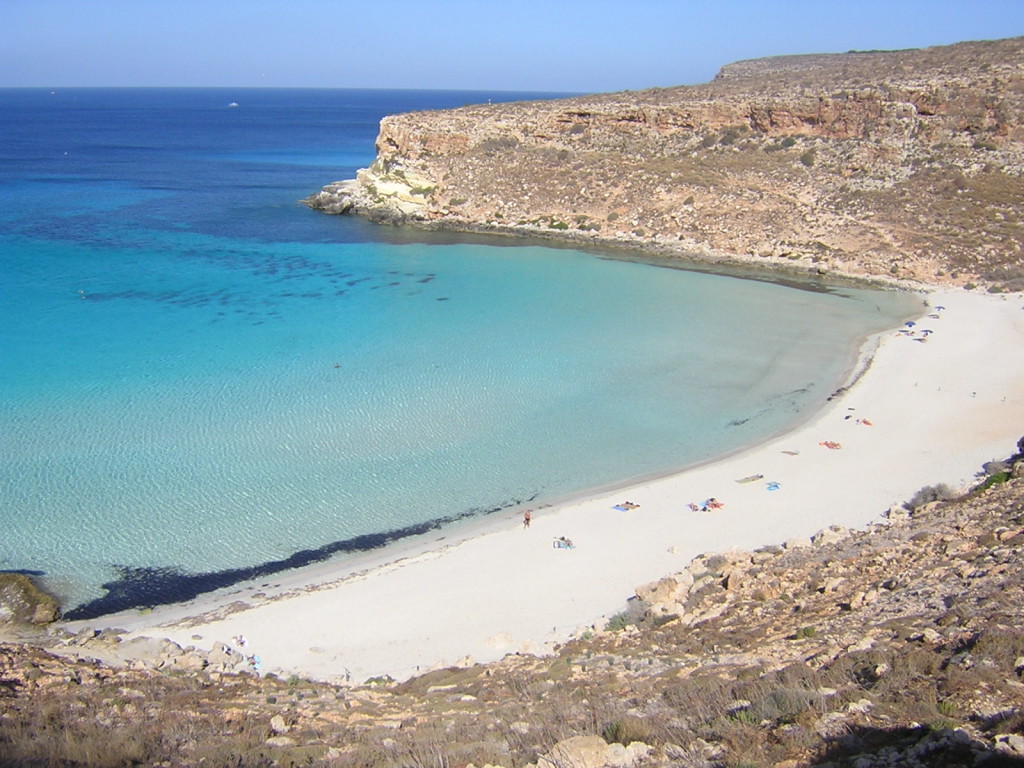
(540, 45)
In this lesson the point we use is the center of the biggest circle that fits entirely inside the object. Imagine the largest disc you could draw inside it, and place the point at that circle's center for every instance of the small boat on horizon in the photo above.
(233, 104)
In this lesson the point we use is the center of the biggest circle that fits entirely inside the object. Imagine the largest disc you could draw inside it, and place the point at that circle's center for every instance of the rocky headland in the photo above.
(903, 164)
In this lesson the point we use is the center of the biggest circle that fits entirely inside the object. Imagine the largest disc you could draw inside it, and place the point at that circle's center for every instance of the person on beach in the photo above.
(527, 517)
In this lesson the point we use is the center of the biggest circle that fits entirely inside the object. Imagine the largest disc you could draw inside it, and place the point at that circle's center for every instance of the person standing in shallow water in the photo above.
(527, 517)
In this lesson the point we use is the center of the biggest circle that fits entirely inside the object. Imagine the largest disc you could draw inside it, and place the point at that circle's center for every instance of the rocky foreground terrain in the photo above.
(901, 645)
(902, 164)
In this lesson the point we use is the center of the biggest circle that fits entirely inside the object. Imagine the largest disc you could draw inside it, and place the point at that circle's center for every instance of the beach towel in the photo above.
(772, 486)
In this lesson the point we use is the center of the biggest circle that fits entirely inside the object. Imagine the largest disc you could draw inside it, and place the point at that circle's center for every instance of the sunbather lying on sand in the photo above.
(706, 505)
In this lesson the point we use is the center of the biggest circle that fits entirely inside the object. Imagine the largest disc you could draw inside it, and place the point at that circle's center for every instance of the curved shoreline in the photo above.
(142, 587)
(670, 253)
(938, 410)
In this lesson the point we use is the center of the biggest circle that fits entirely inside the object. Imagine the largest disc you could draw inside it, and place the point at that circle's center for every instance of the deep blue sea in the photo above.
(201, 380)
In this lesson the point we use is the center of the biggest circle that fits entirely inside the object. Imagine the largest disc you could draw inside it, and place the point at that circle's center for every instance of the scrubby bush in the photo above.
(626, 730)
(996, 478)
(618, 622)
(499, 144)
(928, 494)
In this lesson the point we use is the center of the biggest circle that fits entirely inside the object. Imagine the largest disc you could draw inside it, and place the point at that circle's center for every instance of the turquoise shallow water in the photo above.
(199, 375)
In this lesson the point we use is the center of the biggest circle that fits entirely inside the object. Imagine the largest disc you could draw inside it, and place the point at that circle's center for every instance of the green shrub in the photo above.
(626, 731)
(618, 622)
(997, 479)
(807, 158)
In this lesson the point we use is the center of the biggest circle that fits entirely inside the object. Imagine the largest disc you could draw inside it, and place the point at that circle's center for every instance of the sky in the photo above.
(578, 46)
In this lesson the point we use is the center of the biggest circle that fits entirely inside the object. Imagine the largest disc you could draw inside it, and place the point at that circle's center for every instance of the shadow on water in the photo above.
(150, 587)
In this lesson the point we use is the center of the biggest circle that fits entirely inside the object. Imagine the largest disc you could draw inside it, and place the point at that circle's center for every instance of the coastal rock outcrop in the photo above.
(23, 604)
(904, 164)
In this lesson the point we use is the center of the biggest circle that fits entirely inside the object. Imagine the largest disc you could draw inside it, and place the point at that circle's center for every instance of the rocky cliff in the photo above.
(905, 163)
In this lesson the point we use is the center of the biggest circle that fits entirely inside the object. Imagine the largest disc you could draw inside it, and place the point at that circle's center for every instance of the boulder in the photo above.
(593, 752)
(668, 592)
(281, 741)
(22, 603)
(224, 658)
(831, 535)
(278, 725)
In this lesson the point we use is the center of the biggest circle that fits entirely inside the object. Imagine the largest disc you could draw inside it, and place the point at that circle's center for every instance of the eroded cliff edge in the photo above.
(903, 163)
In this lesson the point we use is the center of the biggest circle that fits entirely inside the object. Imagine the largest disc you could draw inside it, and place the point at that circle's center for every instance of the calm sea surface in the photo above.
(200, 379)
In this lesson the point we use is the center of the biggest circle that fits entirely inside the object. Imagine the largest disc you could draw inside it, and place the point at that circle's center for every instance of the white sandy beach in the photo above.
(938, 409)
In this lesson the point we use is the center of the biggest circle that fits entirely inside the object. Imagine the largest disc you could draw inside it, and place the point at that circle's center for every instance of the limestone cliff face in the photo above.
(905, 163)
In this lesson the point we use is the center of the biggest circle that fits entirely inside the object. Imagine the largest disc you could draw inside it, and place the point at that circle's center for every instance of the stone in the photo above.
(1011, 742)
(45, 613)
(224, 657)
(22, 603)
(831, 535)
(863, 644)
(733, 578)
(667, 593)
(929, 635)
(594, 752)
(278, 724)
(192, 660)
(860, 707)
(280, 741)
